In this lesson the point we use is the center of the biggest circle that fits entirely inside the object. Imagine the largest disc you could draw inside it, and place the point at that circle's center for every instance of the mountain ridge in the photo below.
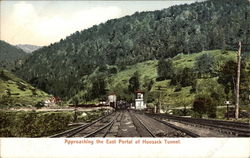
(11, 57)
(28, 48)
(131, 39)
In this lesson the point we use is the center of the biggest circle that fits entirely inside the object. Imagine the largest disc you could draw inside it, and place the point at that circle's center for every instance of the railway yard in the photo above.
(131, 123)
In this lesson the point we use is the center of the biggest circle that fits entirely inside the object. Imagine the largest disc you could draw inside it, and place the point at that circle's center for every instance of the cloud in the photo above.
(57, 27)
(96, 15)
(43, 29)
(23, 13)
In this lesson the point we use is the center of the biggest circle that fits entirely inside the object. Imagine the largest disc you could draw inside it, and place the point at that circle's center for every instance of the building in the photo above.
(52, 101)
(112, 100)
(139, 103)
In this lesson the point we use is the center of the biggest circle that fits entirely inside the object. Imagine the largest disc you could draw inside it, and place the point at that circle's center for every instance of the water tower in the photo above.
(139, 103)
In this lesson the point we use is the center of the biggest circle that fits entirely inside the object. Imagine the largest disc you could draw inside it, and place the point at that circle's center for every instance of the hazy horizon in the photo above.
(44, 22)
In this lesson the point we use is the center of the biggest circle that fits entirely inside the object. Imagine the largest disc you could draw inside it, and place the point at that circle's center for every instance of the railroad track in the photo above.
(73, 132)
(234, 128)
(100, 131)
(182, 130)
(145, 126)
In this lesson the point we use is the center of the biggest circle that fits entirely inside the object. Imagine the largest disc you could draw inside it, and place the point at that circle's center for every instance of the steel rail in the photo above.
(244, 132)
(72, 132)
(221, 122)
(149, 131)
(178, 128)
(109, 125)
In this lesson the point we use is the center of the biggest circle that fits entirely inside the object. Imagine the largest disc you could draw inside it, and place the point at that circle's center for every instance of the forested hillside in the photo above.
(28, 48)
(62, 67)
(10, 56)
(182, 78)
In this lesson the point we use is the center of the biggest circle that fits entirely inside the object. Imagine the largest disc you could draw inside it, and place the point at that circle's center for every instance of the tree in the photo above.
(165, 69)
(203, 64)
(183, 78)
(176, 78)
(134, 83)
(113, 70)
(227, 77)
(203, 104)
(103, 68)
(187, 77)
(98, 87)
(245, 86)
(75, 100)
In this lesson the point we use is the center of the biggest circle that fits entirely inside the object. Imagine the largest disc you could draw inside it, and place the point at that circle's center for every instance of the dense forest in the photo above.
(62, 67)
(11, 57)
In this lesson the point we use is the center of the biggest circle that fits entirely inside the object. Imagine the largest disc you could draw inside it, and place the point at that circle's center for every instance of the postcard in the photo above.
(125, 79)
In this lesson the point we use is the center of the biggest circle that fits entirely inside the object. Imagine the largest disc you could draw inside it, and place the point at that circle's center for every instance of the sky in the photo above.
(44, 22)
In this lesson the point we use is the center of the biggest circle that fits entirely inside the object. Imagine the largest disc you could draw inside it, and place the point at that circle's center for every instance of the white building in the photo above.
(112, 100)
(139, 103)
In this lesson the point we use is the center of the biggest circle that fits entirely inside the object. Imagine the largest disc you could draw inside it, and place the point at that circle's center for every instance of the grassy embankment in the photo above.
(41, 124)
(16, 92)
(171, 99)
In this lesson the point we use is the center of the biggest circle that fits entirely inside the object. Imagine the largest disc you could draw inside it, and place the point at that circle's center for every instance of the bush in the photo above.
(182, 112)
(113, 70)
(103, 68)
(40, 104)
(39, 124)
(7, 100)
(203, 104)
(21, 86)
(160, 79)
(178, 88)
(32, 124)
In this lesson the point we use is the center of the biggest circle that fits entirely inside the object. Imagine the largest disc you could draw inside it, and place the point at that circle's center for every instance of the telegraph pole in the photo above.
(237, 84)
(237, 105)
(159, 98)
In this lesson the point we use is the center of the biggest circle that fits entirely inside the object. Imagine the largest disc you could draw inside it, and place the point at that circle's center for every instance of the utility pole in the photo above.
(159, 98)
(159, 103)
(237, 105)
(237, 89)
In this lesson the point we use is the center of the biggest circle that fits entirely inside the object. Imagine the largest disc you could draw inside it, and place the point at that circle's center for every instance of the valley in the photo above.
(182, 61)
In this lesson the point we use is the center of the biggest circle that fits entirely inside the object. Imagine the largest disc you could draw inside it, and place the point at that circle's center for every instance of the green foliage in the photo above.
(13, 91)
(188, 77)
(103, 68)
(113, 70)
(184, 78)
(32, 124)
(245, 86)
(172, 95)
(11, 57)
(60, 67)
(75, 100)
(40, 124)
(98, 87)
(193, 89)
(152, 97)
(165, 69)
(176, 79)
(182, 112)
(203, 104)
(6, 100)
(148, 83)
(228, 75)
(134, 83)
(39, 104)
(204, 64)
